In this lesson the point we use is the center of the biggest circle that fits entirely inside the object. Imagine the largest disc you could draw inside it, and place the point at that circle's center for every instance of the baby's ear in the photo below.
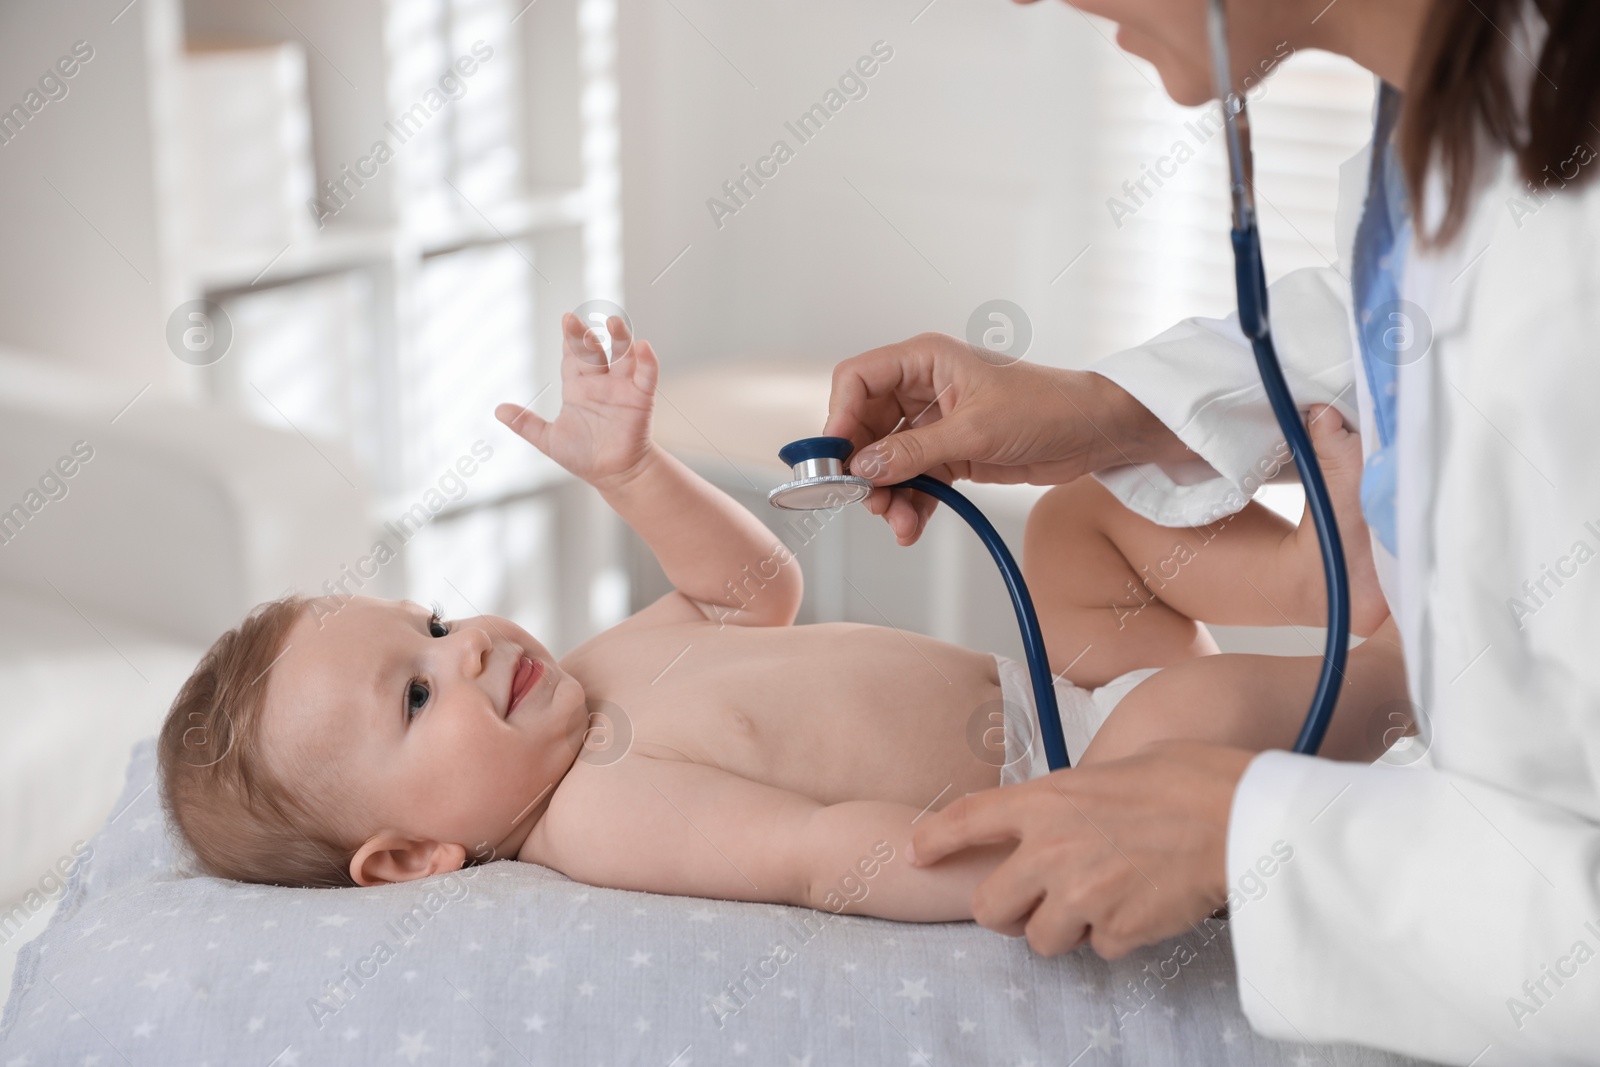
(390, 856)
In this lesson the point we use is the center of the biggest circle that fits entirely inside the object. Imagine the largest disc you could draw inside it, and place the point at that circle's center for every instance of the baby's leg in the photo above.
(1116, 592)
(1260, 702)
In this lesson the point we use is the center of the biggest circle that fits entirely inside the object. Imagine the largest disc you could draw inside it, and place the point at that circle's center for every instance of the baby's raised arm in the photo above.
(667, 826)
(713, 551)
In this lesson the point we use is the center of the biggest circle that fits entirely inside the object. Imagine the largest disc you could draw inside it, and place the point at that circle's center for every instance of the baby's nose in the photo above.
(475, 646)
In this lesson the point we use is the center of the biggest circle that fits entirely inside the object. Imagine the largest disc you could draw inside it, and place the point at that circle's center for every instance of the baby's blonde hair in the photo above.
(218, 790)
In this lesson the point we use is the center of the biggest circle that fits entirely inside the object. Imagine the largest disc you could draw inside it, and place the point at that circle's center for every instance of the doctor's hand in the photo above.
(1120, 854)
(937, 405)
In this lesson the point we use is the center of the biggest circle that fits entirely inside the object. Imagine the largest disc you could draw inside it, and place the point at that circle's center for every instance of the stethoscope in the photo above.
(819, 480)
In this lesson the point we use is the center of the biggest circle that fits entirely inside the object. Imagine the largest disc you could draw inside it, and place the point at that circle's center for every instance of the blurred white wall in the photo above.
(978, 166)
(954, 181)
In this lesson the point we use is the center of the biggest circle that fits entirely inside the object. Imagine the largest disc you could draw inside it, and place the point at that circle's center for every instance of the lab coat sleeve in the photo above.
(1411, 910)
(1200, 379)
(1453, 912)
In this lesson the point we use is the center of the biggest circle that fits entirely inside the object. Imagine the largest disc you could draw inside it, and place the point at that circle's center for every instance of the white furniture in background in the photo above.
(388, 316)
(118, 577)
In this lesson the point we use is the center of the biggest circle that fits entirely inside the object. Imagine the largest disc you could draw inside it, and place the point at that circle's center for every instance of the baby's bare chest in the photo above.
(833, 711)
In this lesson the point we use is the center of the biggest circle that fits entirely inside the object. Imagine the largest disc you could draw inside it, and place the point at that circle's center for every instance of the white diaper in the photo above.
(1082, 712)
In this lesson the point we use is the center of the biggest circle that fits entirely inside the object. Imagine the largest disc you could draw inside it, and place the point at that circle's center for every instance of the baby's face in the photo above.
(445, 730)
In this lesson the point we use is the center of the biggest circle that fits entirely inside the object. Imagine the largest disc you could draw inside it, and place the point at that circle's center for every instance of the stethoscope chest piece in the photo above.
(819, 481)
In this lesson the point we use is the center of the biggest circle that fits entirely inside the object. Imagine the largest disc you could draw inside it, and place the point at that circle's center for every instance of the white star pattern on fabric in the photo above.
(413, 1045)
(796, 1061)
(1303, 1059)
(533, 1023)
(586, 989)
(255, 1024)
(641, 1024)
(640, 958)
(156, 979)
(918, 1058)
(260, 967)
(350, 1033)
(843, 1022)
(968, 1026)
(709, 955)
(1101, 1037)
(537, 964)
(144, 1029)
(333, 920)
(917, 991)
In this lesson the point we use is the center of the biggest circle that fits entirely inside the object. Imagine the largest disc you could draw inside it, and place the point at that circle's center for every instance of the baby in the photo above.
(707, 747)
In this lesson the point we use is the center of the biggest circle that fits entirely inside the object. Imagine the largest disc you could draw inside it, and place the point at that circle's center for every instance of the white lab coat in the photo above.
(1452, 911)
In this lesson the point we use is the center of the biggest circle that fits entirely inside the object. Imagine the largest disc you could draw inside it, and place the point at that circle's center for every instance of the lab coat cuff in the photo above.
(1190, 492)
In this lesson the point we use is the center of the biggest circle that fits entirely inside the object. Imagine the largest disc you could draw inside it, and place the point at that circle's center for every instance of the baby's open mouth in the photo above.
(528, 672)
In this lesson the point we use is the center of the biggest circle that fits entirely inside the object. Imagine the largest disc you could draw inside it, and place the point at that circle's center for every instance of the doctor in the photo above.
(1451, 911)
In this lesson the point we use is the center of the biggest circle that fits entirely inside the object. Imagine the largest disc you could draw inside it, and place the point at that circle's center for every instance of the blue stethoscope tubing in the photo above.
(1044, 692)
(820, 481)
(1251, 284)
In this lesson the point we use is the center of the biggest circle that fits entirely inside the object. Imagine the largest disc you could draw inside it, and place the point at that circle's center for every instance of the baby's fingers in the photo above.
(647, 368)
(527, 425)
(583, 340)
(588, 340)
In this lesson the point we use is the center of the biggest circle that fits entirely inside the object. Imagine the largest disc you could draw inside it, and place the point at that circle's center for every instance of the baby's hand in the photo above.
(602, 433)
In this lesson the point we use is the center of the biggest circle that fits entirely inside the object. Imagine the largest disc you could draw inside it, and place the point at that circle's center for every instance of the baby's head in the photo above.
(341, 741)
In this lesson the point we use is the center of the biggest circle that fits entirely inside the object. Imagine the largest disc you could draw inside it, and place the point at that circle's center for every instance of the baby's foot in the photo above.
(1339, 455)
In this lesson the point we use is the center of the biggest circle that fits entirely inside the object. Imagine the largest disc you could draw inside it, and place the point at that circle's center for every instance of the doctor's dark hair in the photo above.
(1459, 95)
(237, 817)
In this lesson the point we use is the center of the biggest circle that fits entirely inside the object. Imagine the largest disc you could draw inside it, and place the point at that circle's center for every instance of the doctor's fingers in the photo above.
(869, 391)
(990, 817)
(1053, 888)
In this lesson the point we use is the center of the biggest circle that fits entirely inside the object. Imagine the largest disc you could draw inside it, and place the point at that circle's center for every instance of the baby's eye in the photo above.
(437, 627)
(416, 697)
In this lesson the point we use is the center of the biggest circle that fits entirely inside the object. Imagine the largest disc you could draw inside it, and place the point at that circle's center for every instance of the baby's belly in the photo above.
(836, 711)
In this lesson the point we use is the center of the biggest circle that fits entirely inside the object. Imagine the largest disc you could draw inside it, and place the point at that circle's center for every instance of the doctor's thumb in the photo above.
(903, 455)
